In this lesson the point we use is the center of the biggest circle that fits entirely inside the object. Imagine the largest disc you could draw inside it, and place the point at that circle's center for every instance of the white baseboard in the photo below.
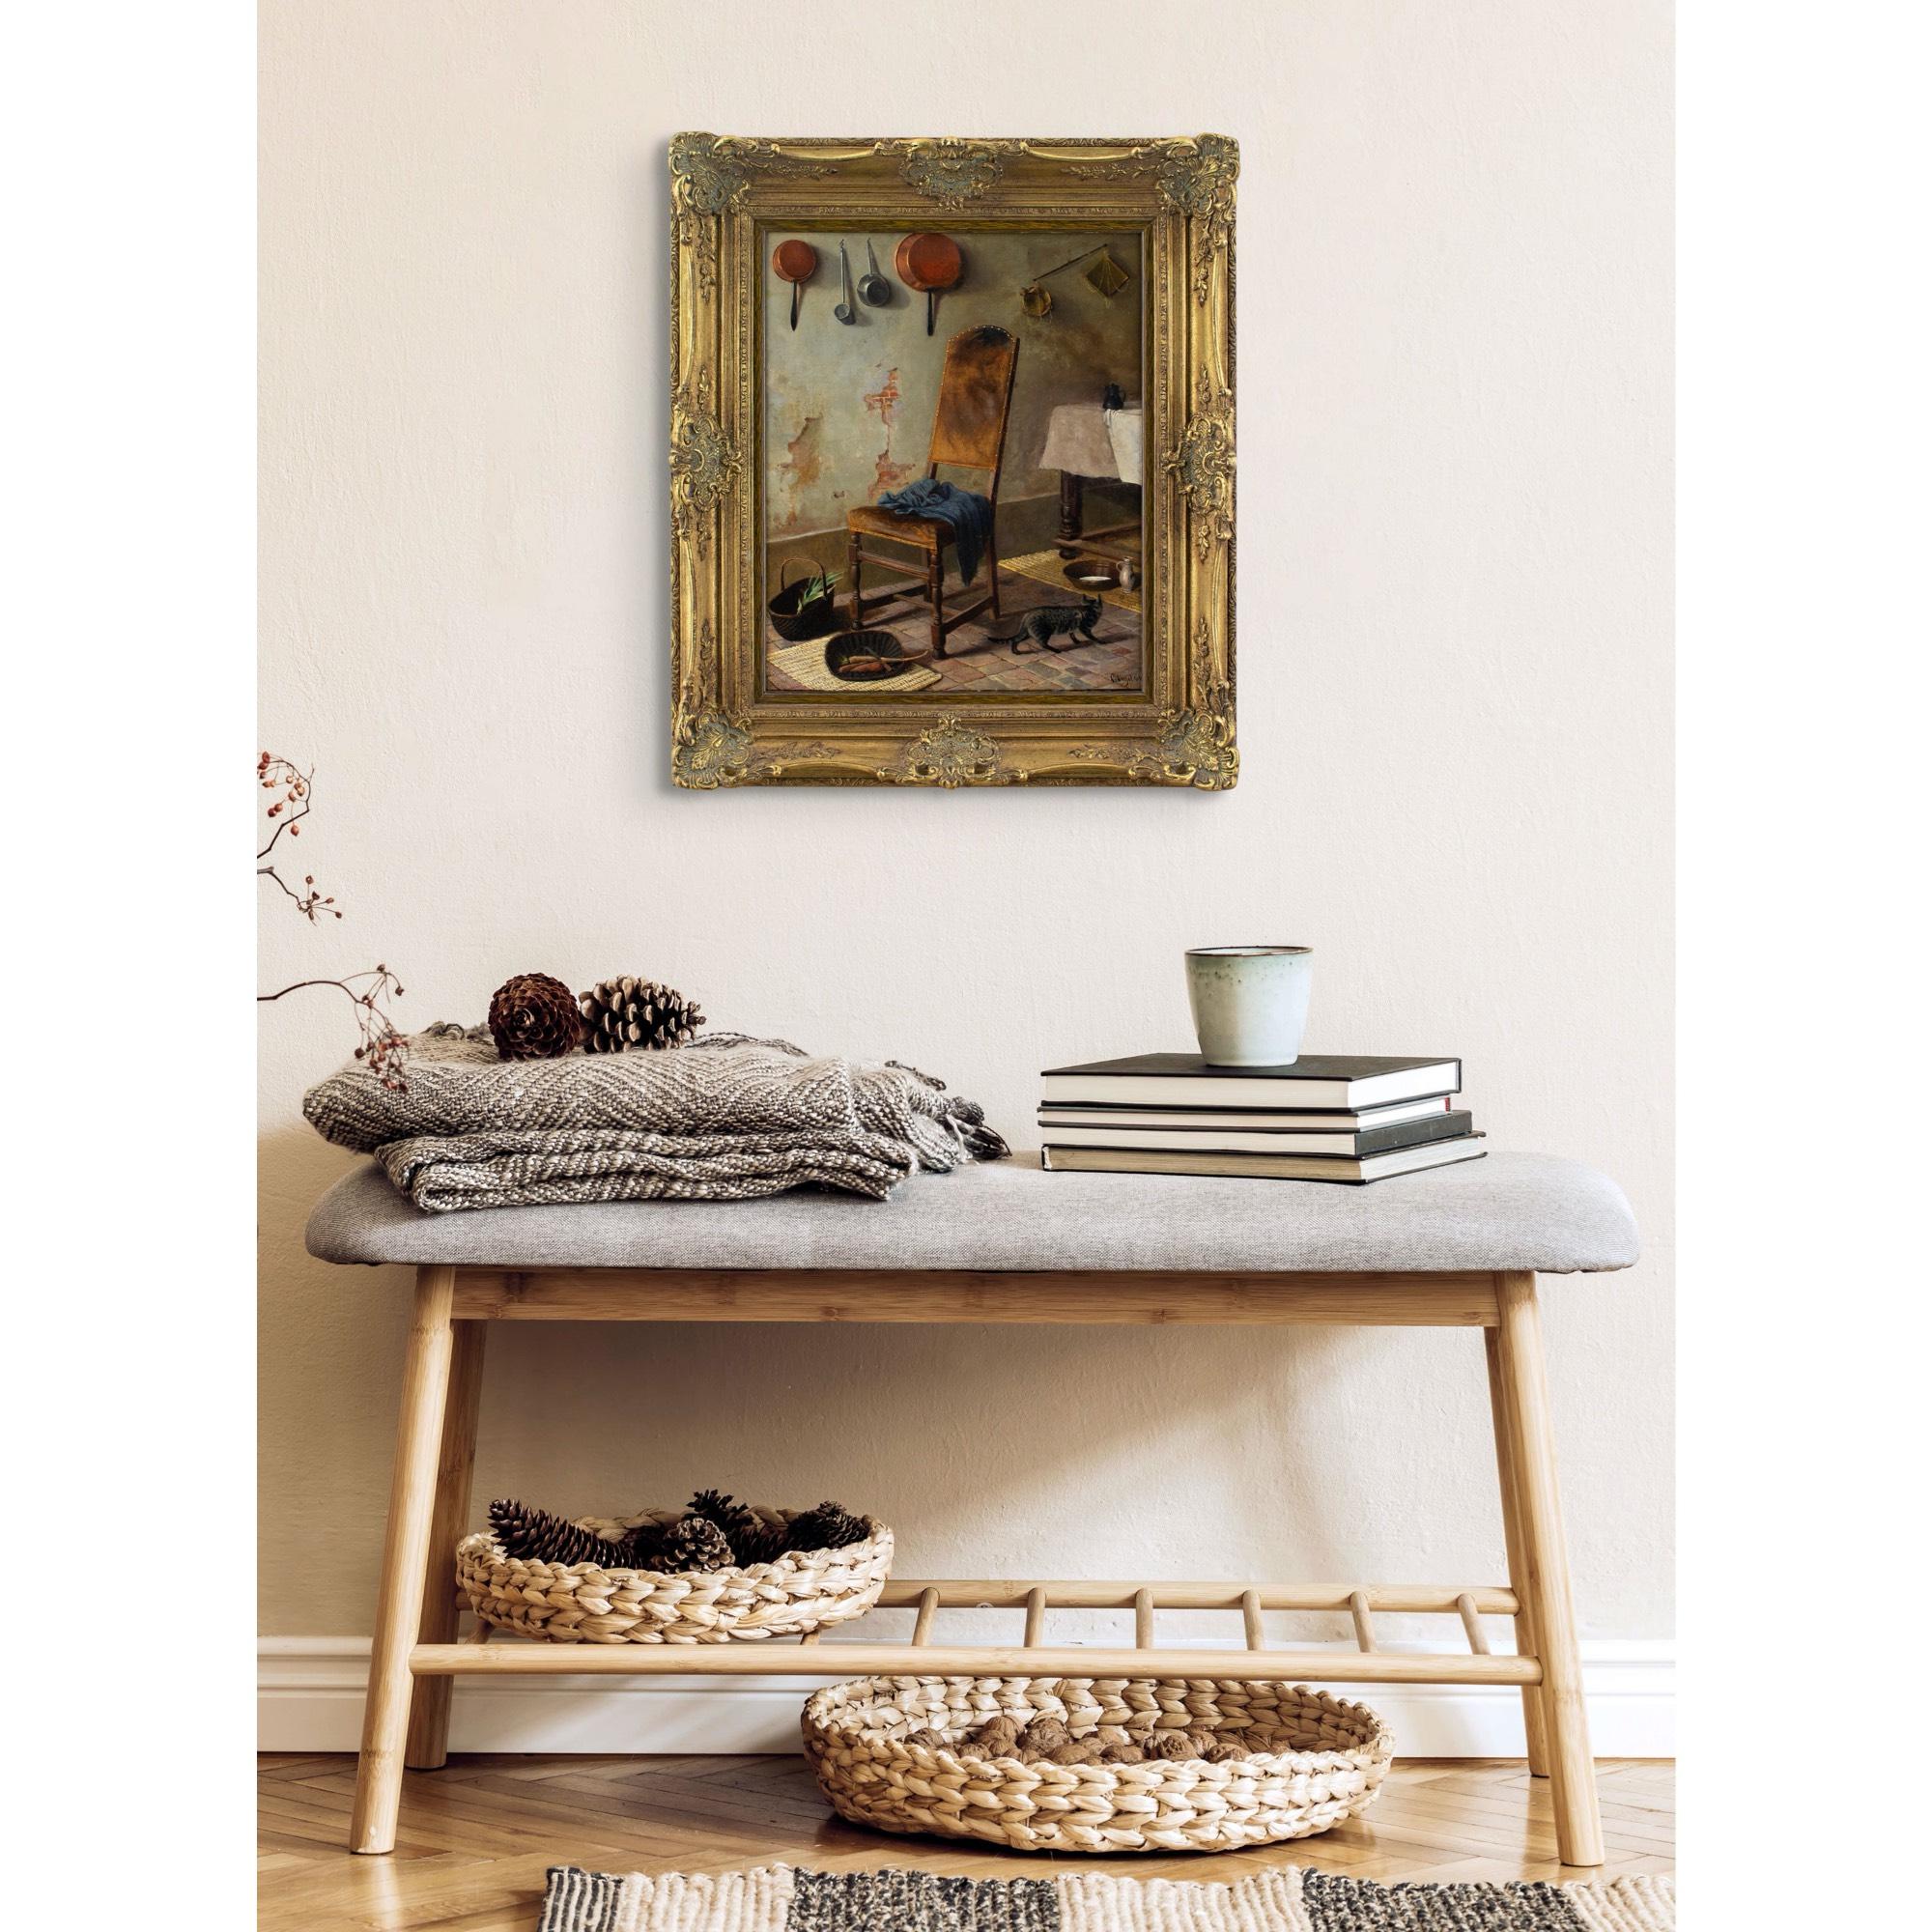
(310, 1699)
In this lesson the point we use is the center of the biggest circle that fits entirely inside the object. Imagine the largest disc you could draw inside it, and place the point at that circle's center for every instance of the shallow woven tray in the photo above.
(1330, 1766)
(584, 1603)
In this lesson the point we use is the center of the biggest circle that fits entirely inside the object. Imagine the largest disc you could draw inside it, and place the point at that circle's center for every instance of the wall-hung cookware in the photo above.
(1106, 275)
(874, 288)
(929, 264)
(796, 263)
(844, 309)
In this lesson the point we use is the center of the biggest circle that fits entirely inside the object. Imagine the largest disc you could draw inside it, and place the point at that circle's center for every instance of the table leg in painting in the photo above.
(858, 598)
(935, 578)
(1530, 1449)
(1070, 510)
(385, 1717)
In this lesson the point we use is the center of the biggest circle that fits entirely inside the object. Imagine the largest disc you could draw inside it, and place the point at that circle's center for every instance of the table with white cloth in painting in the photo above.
(1085, 439)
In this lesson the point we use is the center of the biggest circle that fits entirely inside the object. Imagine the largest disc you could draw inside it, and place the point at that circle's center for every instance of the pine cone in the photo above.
(643, 1548)
(694, 1543)
(829, 1527)
(619, 1015)
(538, 1537)
(533, 1017)
(763, 1540)
(739, 1524)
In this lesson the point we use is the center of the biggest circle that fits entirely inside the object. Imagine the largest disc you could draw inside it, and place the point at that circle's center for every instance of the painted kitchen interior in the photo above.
(954, 463)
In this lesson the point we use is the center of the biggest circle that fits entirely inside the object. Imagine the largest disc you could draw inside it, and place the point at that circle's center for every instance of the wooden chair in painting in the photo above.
(969, 432)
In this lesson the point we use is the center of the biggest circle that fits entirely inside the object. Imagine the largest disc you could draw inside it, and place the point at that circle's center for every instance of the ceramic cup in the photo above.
(1250, 1001)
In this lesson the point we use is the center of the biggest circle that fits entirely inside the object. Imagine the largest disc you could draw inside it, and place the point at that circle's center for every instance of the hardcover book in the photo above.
(1356, 1141)
(1263, 1166)
(1254, 1120)
(1315, 1081)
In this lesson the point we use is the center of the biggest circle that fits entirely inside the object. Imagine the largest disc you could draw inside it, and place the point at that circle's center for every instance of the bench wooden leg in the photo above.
(386, 1720)
(1535, 1736)
(429, 1707)
(1528, 1445)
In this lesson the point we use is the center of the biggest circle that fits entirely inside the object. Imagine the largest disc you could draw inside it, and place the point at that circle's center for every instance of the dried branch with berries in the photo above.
(383, 1047)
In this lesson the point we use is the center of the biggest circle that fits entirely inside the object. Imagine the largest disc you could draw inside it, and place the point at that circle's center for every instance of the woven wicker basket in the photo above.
(1331, 1763)
(583, 1603)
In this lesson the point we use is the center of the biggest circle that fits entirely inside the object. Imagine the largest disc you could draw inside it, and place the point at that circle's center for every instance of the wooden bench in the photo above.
(1457, 1248)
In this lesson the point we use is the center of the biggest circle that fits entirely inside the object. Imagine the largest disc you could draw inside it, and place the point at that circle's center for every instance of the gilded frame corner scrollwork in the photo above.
(1181, 192)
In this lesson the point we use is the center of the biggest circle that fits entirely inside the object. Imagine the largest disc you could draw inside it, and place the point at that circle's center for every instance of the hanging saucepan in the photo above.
(795, 261)
(929, 264)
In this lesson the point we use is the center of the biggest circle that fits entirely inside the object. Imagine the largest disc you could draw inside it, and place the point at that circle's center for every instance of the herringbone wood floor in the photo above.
(477, 1836)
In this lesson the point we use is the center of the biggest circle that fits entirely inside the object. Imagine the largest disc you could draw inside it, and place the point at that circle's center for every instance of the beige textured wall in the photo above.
(1454, 526)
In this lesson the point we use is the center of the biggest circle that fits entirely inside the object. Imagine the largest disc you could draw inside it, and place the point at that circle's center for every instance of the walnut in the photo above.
(997, 1737)
(1079, 1750)
(1222, 1752)
(1171, 1747)
(1124, 1754)
(1043, 1736)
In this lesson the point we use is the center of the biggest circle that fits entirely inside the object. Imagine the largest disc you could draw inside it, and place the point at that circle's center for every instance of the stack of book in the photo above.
(1323, 1118)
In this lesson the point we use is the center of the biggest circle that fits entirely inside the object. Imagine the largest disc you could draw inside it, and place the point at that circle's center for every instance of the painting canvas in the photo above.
(952, 453)
(954, 475)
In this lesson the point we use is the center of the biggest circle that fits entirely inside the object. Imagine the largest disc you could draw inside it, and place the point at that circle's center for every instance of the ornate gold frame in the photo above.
(1181, 195)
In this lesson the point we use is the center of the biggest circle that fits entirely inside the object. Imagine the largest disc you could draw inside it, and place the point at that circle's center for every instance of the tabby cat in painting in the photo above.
(1058, 620)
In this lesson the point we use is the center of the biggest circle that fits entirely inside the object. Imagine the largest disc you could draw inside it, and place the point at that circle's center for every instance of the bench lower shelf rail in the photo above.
(481, 1655)
(896, 1659)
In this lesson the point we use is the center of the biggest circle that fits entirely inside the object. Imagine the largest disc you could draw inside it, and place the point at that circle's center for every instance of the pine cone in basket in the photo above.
(694, 1543)
(534, 1018)
(829, 1527)
(739, 1524)
(643, 1548)
(619, 1015)
(536, 1536)
(762, 1541)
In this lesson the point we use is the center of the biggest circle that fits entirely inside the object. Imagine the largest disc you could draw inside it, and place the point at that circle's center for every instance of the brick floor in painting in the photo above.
(974, 664)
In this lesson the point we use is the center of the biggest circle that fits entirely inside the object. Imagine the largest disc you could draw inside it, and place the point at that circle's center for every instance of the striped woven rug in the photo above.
(777, 1899)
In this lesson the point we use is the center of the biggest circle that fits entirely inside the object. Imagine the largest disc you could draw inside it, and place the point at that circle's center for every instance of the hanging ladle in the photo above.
(844, 309)
(795, 261)
(874, 288)
(1106, 275)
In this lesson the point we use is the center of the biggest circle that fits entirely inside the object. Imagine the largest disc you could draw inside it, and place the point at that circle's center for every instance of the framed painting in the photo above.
(953, 462)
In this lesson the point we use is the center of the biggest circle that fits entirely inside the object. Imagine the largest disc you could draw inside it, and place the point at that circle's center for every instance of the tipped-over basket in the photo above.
(804, 1590)
(1322, 1760)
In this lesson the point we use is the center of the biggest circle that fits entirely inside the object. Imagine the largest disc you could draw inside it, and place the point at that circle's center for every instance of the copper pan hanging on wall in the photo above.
(929, 265)
(795, 261)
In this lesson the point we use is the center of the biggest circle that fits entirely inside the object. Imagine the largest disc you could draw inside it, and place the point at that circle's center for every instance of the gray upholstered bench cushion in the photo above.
(1511, 1210)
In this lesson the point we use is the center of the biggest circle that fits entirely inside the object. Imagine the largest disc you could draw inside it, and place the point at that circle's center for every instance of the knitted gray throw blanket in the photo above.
(724, 1118)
